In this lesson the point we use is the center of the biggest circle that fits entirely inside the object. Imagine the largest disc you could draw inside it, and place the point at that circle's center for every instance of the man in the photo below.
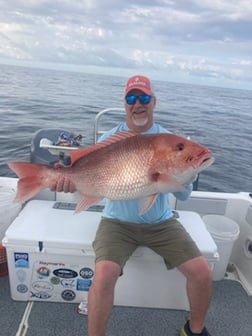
(118, 234)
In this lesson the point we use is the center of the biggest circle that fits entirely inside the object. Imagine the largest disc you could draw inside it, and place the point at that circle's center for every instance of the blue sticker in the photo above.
(21, 260)
(83, 285)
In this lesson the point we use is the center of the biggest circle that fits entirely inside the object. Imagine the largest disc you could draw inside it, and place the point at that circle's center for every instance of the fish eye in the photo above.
(180, 146)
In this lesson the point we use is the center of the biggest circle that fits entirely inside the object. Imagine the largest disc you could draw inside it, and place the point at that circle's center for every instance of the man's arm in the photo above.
(184, 195)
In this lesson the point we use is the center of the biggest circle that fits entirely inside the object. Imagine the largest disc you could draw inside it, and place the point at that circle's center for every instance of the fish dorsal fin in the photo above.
(79, 153)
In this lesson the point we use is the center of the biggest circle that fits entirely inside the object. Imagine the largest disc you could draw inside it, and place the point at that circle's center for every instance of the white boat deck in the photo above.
(229, 314)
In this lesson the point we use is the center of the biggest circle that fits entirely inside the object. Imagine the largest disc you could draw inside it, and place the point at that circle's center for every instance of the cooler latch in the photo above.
(40, 246)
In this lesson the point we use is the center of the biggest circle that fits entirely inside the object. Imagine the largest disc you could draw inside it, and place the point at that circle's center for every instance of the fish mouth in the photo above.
(207, 162)
(203, 160)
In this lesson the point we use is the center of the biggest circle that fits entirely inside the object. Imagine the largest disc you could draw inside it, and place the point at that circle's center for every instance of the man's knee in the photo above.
(106, 273)
(198, 269)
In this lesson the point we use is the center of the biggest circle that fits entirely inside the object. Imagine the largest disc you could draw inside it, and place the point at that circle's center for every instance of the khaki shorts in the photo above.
(116, 241)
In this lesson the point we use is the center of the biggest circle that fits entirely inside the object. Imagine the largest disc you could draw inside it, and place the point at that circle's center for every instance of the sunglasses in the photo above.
(143, 99)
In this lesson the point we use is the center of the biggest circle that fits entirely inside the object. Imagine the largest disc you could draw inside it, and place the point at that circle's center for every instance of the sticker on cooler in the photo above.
(83, 284)
(40, 295)
(42, 286)
(86, 273)
(21, 275)
(68, 295)
(68, 283)
(65, 273)
(21, 260)
(43, 272)
(22, 288)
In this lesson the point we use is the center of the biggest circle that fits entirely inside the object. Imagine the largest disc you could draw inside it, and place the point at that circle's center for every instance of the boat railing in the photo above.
(97, 123)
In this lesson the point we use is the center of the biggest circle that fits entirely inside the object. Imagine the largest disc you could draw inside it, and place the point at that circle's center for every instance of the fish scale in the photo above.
(114, 177)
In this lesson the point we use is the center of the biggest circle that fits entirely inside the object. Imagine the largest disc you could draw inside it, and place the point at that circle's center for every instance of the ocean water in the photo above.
(31, 99)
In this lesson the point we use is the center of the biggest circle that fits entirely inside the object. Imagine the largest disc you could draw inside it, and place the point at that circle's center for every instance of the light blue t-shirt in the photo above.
(128, 211)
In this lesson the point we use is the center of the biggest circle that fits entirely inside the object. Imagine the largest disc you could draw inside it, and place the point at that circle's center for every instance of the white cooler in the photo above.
(50, 258)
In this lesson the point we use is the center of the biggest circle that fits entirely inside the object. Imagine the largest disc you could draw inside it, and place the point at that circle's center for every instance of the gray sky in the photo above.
(195, 41)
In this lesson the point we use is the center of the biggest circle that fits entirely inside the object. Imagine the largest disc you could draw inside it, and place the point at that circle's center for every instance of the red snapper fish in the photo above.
(124, 166)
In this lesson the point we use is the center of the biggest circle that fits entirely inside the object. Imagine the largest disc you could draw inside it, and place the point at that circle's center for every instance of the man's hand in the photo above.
(64, 183)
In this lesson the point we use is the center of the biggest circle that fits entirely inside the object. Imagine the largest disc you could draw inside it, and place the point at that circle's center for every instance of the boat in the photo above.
(231, 305)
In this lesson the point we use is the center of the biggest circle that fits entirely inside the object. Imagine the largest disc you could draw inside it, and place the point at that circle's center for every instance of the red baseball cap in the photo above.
(139, 82)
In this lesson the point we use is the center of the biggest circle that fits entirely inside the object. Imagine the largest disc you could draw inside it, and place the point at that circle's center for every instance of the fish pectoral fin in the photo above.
(86, 202)
(146, 203)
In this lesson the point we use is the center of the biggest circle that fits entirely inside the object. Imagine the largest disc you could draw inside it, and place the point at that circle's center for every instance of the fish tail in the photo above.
(32, 179)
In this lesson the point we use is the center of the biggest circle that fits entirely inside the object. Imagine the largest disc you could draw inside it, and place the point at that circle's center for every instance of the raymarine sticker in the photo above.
(43, 272)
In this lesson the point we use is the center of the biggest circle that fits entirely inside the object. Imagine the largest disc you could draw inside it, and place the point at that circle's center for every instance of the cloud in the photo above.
(199, 39)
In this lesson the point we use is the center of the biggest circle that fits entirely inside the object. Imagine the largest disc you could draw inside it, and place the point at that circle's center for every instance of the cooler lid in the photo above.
(196, 227)
(39, 221)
